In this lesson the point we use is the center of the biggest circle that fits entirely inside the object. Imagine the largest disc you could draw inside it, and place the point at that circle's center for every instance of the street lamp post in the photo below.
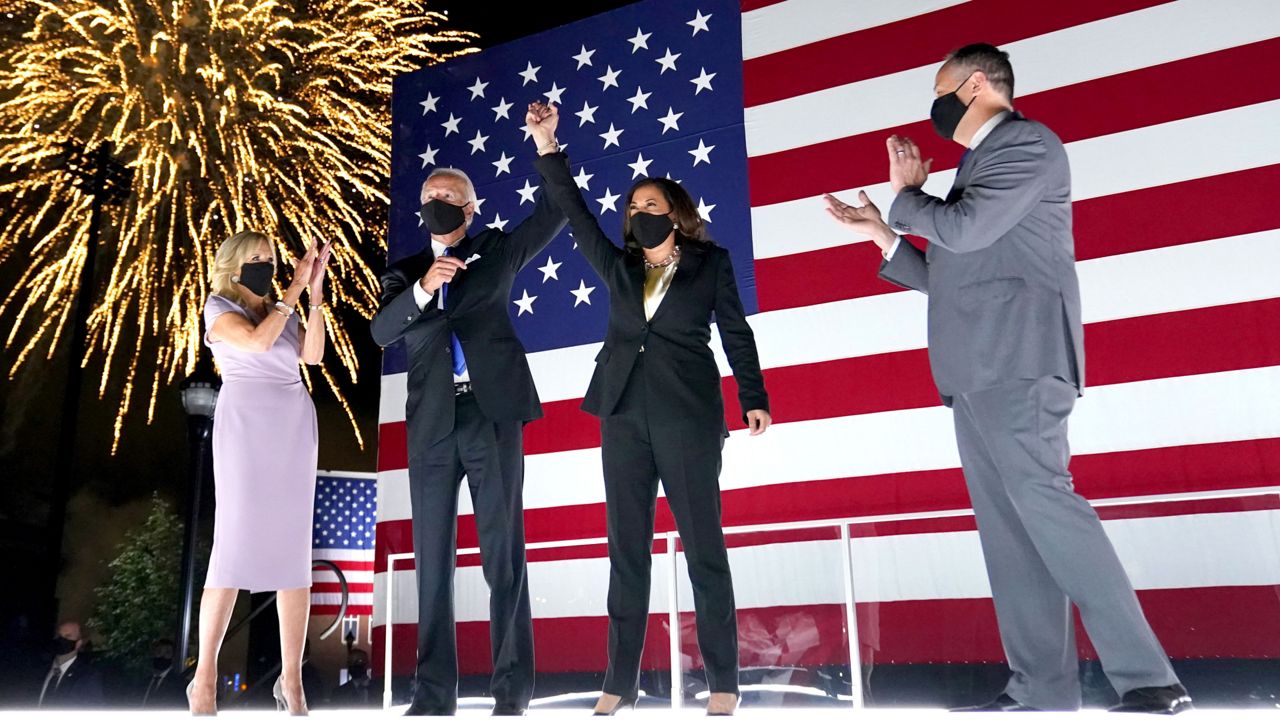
(199, 397)
(98, 174)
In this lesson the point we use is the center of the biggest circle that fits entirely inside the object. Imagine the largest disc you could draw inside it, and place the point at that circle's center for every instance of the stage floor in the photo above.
(580, 713)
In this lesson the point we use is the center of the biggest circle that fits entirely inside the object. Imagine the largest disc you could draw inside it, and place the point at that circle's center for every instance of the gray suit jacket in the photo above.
(999, 269)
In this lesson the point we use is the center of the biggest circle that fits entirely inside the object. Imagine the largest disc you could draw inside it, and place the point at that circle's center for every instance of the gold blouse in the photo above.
(656, 282)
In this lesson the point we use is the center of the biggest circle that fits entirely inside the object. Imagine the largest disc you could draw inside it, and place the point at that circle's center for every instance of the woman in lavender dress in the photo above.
(264, 452)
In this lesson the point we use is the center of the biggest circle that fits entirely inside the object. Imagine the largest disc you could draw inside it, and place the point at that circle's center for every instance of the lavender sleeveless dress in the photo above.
(264, 463)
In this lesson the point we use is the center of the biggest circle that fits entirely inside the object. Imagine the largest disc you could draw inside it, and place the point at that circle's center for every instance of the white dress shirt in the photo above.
(62, 673)
(423, 298)
(977, 138)
(156, 680)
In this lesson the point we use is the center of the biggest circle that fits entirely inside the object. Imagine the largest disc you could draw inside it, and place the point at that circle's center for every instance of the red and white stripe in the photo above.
(326, 591)
(356, 566)
(1170, 121)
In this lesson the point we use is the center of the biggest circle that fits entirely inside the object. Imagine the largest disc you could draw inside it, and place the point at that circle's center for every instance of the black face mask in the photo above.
(256, 276)
(442, 218)
(650, 230)
(62, 646)
(160, 664)
(357, 672)
(948, 110)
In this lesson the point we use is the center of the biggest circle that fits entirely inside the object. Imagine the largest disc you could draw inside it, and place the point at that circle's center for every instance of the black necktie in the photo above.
(459, 361)
(155, 682)
(51, 688)
(963, 156)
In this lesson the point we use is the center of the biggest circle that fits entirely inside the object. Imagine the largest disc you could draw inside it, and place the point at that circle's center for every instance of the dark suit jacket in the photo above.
(351, 695)
(170, 693)
(81, 687)
(476, 310)
(677, 355)
(1004, 301)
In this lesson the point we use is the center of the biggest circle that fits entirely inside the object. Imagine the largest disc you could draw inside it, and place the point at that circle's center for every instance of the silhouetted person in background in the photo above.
(358, 690)
(71, 681)
(164, 686)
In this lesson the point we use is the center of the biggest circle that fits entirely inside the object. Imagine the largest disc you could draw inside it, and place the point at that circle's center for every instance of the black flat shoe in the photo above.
(1002, 703)
(1168, 700)
(507, 710)
(628, 703)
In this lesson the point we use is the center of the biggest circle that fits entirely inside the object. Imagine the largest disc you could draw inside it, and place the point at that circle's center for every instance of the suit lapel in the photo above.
(633, 266)
(690, 261)
(962, 177)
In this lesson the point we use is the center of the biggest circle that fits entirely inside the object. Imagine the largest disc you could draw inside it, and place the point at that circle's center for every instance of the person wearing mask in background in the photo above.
(358, 690)
(72, 681)
(164, 688)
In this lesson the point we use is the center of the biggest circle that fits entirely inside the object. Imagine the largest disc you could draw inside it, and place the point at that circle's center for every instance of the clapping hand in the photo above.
(865, 220)
(303, 269)
(318, 271)
(906, 169)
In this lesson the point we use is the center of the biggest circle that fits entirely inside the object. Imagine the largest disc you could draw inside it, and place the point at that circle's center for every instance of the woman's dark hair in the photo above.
(689, 225)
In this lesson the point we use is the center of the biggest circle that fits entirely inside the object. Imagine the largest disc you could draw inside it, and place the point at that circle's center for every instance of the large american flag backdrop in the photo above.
(1171, 116)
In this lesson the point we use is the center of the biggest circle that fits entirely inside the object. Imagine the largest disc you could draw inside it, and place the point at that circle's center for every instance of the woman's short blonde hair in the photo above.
(233, 253)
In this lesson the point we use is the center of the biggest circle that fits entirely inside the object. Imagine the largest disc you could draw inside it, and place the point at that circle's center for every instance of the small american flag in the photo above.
(343, 533)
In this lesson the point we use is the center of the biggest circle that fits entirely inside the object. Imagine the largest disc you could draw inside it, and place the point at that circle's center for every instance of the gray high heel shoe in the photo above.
(277, 692)
(190, 687)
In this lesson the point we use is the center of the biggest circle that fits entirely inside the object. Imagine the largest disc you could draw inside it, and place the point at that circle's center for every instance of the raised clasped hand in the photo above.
(542, 120)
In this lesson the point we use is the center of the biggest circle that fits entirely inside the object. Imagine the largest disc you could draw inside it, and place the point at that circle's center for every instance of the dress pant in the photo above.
(639, 446)
(1045, 548)
(490, 455)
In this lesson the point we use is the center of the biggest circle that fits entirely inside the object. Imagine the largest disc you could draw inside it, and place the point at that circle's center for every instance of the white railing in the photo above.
(847, 567)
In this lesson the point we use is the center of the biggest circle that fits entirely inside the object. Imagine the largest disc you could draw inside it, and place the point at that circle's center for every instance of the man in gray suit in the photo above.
(1007, 353)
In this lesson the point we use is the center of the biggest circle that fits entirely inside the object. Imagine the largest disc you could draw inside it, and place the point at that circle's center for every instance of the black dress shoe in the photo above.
(623, 702)
(1003, 703)
(417, 708)
(1168, 700)
(507, 710)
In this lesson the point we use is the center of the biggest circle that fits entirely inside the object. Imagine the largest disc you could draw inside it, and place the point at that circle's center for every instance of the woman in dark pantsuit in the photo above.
(656, 390)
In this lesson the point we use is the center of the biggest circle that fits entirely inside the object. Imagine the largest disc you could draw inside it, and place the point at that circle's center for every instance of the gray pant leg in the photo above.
(1034, 615)
(1023, 428)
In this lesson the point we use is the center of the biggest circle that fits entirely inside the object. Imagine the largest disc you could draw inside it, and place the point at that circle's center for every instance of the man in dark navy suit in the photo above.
(470, 392)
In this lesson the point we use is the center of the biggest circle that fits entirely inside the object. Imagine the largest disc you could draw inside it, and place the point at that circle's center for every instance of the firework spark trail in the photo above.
(234, 114)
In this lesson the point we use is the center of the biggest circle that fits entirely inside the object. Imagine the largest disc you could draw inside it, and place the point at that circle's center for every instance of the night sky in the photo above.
(112, 492)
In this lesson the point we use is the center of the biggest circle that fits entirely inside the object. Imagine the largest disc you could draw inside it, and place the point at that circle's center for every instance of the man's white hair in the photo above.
(455, 172)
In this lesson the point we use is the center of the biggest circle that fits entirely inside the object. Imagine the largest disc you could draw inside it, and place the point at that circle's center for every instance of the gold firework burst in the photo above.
(232, 114)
